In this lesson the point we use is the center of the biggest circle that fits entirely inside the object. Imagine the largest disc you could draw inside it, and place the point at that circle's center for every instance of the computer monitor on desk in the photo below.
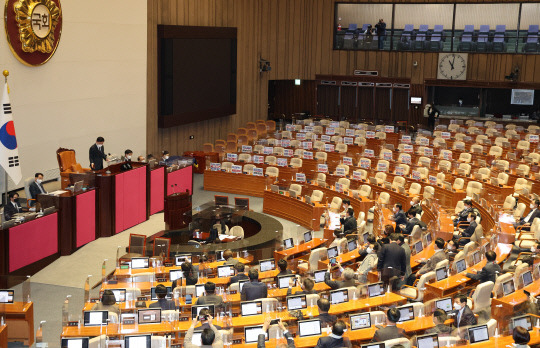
(525, 321)
(319, 276)
(197, 308)
(360, 321)
(308, 236)
(149, 316)
(375, 289)
(427, 341)
(7, 296)
(478, 334)
(77, 342)
(267, 265)
(296, 302)
(138, 341)
(308, 328)
(445, 304)
(95, 318)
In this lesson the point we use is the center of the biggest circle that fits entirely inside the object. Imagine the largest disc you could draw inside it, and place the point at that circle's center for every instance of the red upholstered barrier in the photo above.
(130, 198)
(157, 192)
(33, 241)
(183, 178)
(86, 217)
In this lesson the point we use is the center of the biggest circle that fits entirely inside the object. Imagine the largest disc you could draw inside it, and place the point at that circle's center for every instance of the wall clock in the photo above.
(452, 66)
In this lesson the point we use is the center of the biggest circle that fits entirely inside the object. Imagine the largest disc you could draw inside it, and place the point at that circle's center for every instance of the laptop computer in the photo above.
(138, 341)
(406, 313)
(441, 273)
(360, 321)
(332, 252)
(375, 289)
(199, 290)
(445, 304)
(267, 265)
(284, 281)
(149, 316)
(418, 247)
(288, 243)
(478, 334)
(180, 259)
(319, 276)
(95, 318)
(77, 342)
(525, 321)
(296, 302)
(251, 308)
(308, 328)
(351, 245)
(308, 236)
(139, 262)
(225, 271)
(508, 287)
(175, 274)
(7, 296)
(241, 284)
(251, 333)
(339, 296)
(119, 295)
(461, 265)
(196, 338)
(526, 278)
(427, 341)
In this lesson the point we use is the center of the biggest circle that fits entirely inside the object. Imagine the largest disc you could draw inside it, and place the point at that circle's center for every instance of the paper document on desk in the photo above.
(334, 221)
(225, 236)
(57, 193)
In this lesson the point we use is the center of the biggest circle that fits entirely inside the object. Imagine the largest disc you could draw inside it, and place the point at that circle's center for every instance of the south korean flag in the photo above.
(9, 151)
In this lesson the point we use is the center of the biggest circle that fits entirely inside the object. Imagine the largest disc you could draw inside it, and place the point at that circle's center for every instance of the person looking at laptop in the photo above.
(210, 337)
(439, 317)
(335, 339)
(162, 302)
(229, 259)
(489, 271)
(210, 296)
(326, 319)
(282, 265)
(240, 274)
(438, 256)
(391, 331)
(107, 303)
(254, 289)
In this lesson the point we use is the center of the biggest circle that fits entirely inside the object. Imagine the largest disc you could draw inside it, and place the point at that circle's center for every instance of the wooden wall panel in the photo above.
(296, 37)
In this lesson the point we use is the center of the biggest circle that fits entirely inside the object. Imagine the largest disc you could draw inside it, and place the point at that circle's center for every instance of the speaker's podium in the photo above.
(177, 210)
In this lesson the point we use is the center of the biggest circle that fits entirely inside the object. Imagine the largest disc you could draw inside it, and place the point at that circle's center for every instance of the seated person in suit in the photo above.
(468, 231)
(416, 207)
(229, 259)
(205, 319)
(107, 303)
(127, 160)
(369, 263)
(438, 256)
(533, 213)
(489, 271)
(346, 204)
(282, 266)
(335, 339)
(162, 302)
(324, 307)
(464, 315)
(141, 159)
(240, 273)
(347, 278)
(189, 274)
(391, 331)
(349, 222)
(261, 343)
(521, 337)
(451, 249)
(306, 285)
(36, 187)
(464, 214)
(439, 317)
(413, 221)
(254, 289)
(164, 158)
(210, 296)
(399, 216)
(362, 249)
(13, 207)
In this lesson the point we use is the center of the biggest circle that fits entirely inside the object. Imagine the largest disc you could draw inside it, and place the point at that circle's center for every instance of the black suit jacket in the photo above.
(392, 255)
(338, 284)
(253, 291)
(410, 225)
(97, 156)
(10, 210)
(388, 333)
(349, 225)
(535, 214)
(417, 209)
(238, 277)
(469, 231)
(487, 274)
(126, 166)
(400, 218)
(330, 342)
(467, 318)
(34, 190)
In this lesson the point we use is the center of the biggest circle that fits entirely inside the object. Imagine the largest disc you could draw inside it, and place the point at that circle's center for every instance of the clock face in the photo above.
(452, 66)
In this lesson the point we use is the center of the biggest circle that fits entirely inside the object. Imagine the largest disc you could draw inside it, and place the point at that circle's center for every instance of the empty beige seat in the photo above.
(340, 131)
(321, 156)
(341, 148)
(502, 164)
(533, 128)
(297, 189)
(535, 157)
(248, 168)
(490, 132)
(523, 145)
(286, 135)
(385, 154)
(344, 124)
(244, 157)
(398, 181)
(465, 168)
(521, 184)
(421, 150)
(317, 129)
(485, 173)
(258, 148)
(445, 154)
(441, 177)
(406, 168)
(445, 165)
(335, 205)
(510, 126)
(414, 189)
(318, 145)
(227, 166)
(344, 167)
(383, 163)
(472, 130)
(346, 183)
(509, 202)
(424, 161)
(474, 187)
(459, 184)
(460, 137)
(496, 151)
(458, 145)
(321, 178)
(360, 133)
(523, 169)
(278, 150)
(465, 157)
(454, 127)
(503, 178)
(510, 133)
(296, 162)
(384, 198)
(475, 148)
(316, 196)
(299, 153)
(296, 143)
(429, 192)
(364, 159)
(380, 135)
(404, 158)
(336, 139)
(271, 160)
(360, 141)
(500, 140)
(481, 138)
(380, 177)
(424, 172)
(420, 139)
(363, 174)
(272, 171)
(365, 191)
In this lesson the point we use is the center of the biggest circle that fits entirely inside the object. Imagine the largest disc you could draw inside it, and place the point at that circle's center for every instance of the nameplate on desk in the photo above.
(347, 161)
(322, 168)
(533, 138)
(369, 153)
(289, 127)
(415, 175)
(267, 150)
(258, 172)
(308, 155)
(215, 167)
(424, 141)
(307, 145)
(300, 177)
(389, 129)
(112, 281)
(348, 140)
(236, 169)
(339, 187)
(330, 131)
(325, 137)
(183, 319)
(432, 180)
(408, 148)
(349, 132)
(406, 158)
(400, 171)
(329, 147)
(445, 135)
(387, 156)
(300, 136)
(370, 135)
(282, 162)
(258, 159)
(73, 323)
(128, 321)
(365, 163)
(247, 148)
(161, 280)
(168, 264)
(356, 175)
(428, 152)
(232, 157)
(308, 129)
(381, 167)
(334, 124)
(142, 298)
(288, 152)
(278, 142)
(406, 139)
(340, 171)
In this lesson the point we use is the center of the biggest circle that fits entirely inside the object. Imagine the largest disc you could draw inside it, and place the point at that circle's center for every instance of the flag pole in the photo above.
(6, 74)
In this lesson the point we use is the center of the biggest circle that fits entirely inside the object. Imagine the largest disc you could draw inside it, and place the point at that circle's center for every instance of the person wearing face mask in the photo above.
(415, 208)
(451, 250)
(439, 317)
(164, 158)
(97, 154)
(407, 279)
(13, 207)
(468, 231)
(399, 216)
(464, 315)
(349, 222)
(467, 209)
(368, 263)
(127, 158)
(141, 159)
(533, 214)
(346, 204)
(489, 271)
(36, 187)
(413, 221)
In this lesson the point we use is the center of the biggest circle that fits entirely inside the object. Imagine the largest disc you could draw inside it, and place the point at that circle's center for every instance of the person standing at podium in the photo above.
(97, 154)
(36, 187)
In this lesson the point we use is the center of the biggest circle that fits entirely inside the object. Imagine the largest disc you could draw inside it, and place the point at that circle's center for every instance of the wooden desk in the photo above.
(292, 209)
(241, 184)
(504, 307)
(299, 250)
(19, 318)
(3, 336)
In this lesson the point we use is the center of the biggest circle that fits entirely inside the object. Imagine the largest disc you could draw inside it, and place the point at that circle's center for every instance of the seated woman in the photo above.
(107, 303)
